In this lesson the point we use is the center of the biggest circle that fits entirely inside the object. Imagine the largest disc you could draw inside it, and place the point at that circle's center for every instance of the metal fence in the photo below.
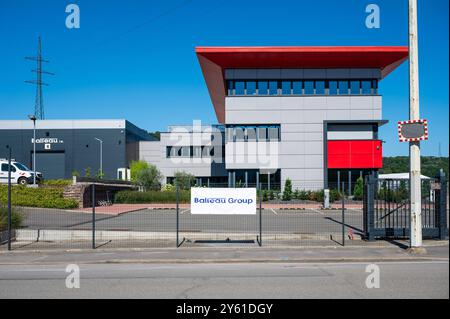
(295, 219)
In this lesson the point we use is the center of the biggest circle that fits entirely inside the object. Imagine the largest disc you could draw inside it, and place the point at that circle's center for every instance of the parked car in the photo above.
(20, 173)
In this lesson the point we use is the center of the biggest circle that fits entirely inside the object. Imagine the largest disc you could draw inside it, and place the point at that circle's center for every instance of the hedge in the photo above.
(135, 197)
(57, 182)
(37, 197)
(16, 220)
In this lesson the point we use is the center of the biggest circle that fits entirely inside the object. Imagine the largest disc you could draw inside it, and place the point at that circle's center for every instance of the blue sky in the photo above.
(135, 59)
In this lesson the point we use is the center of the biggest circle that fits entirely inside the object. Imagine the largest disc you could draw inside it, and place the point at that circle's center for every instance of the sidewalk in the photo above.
(436, 250)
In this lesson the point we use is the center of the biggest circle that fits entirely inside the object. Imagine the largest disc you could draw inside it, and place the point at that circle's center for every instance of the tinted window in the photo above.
(354, 87)
(239, 134)
(230, 87)
(309, 87)
(251, 133)
(251, 88)
(332, 87)
(263, 86)
(286, 87)
(366, 87)
(320, 87)
(262, 133)
(273, 87)
(343, 87)
(297, 87)
(239, 88)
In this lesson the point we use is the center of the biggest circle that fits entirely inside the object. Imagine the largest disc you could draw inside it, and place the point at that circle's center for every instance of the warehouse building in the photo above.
(67, 146)
(308, 114)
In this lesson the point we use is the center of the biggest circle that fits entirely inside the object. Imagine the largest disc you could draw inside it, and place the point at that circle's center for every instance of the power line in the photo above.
(39, 100)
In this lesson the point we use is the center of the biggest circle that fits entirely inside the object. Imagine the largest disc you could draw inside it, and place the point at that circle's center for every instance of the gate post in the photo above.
(93, 215)
(369, 197)
(441, 205)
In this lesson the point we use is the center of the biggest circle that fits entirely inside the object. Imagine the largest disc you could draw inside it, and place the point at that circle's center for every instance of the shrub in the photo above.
(358, 191)
(168, 188)
(16, 217)
(87, 172)
(149, 178)
(287, 192)
(334, 195)
(57, 182)
(75, 173)
(184, 180)
(316, 196)
(296, 194)
(136, 167)
(135, 197)
(271, 195)
(265, 196)
(303, 195)
(44, 197)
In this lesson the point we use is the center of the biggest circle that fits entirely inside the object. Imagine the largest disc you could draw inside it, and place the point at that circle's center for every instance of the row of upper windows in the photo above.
(191, 151)
(302, 87)
(254, 133)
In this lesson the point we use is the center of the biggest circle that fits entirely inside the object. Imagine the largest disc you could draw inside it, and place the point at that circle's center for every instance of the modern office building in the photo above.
(65, 146)
(310, 114)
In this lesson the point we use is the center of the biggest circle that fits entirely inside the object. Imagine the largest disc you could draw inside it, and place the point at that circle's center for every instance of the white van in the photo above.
(20, 174)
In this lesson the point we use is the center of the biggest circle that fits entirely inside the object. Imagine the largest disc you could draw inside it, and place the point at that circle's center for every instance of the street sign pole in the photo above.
(414, 146)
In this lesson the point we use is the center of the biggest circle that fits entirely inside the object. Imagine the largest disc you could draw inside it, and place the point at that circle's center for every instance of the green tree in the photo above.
(149, 178)
(359, 189)
(287, 192)
(184, 180)
(136, 167)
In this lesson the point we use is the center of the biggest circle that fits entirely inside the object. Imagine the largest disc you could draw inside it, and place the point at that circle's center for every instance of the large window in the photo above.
(286, 88)
(302, 87)
(332, 87)
(309, 87)
(263, 87)
(253, 133)
(297, 87)
(320, 87)
(189, 151)
(251, 88)
(273, 87)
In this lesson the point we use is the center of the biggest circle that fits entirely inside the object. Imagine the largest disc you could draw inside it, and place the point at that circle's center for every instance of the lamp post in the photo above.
(33, 118)
(101, 156)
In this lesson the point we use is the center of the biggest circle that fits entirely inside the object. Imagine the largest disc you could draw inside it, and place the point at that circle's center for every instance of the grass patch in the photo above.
(37, 197)
(135, 197)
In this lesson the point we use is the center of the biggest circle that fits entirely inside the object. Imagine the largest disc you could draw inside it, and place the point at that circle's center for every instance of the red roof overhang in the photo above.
(214, 60)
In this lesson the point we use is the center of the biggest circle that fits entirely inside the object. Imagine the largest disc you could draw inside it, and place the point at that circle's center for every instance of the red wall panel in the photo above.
(355, 154)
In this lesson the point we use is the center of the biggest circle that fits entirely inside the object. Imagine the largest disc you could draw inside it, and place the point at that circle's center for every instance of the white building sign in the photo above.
(223, 201)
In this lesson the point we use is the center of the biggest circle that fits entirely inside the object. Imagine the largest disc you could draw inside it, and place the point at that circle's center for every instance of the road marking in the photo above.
(273, 211)
(184, 211)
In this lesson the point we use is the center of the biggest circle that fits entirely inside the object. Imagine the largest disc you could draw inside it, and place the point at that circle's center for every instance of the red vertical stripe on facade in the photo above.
(351, 154)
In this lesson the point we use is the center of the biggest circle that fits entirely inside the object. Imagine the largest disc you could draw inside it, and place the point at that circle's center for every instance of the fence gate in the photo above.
(387, 208)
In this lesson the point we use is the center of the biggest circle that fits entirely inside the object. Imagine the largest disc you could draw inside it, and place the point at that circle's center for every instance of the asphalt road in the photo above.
(425, 279)
(273, 221)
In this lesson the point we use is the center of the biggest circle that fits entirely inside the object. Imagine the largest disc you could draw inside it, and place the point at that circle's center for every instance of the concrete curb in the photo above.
(78, 235)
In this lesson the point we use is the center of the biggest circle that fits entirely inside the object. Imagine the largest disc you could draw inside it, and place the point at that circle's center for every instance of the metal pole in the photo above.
(260, 215)
(93, 216)
(101, 159)
(9, 200)
(343, 215)
(34, 151)
(178, 215)
(414, 147)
